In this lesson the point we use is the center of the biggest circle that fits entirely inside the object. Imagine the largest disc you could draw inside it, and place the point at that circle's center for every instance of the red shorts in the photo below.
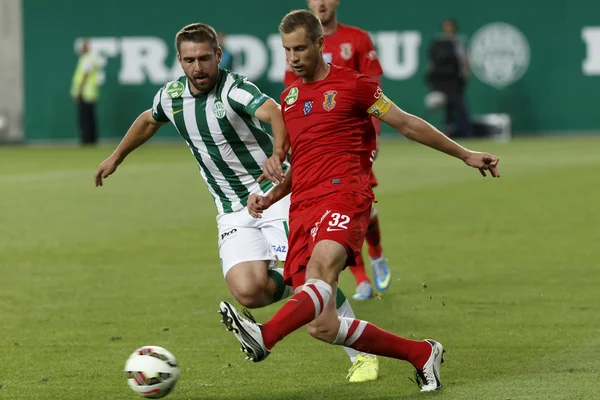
(373, 180)
(341, 217)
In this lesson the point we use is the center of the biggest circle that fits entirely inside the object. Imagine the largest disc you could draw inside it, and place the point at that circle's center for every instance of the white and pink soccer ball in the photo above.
(152, 372)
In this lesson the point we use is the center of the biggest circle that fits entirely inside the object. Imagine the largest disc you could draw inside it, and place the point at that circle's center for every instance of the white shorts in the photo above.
(243, 238)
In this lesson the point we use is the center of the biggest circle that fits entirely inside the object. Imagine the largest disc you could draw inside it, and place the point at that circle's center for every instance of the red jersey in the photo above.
(349, 47)
(332, 137)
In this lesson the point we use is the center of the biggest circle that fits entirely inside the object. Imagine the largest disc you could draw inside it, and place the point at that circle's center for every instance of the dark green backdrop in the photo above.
(554, 94)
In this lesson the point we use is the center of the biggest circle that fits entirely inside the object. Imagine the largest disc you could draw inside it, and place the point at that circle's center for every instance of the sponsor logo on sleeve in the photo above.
(292, 96)
(175, 89)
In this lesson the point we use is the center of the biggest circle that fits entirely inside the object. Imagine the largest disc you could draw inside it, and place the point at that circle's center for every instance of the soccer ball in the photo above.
(152, 372)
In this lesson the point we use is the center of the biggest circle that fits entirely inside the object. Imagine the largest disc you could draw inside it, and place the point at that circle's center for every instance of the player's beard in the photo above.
(203, 82)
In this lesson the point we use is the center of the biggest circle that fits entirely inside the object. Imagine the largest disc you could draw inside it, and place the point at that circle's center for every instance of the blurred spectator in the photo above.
(447, 74)
(227, 60)
(85, 91)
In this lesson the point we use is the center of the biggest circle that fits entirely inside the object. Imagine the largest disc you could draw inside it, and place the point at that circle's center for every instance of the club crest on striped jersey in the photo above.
(329, 103)
(292, 96)
(346, 51)
(219, 109)
(308, 106)
(175, 89)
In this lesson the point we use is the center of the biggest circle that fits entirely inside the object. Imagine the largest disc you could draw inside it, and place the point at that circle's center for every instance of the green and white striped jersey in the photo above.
(229, 143)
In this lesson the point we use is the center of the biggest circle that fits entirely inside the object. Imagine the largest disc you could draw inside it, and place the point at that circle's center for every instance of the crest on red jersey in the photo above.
(329, 102)
(308, 106)
(346, 51)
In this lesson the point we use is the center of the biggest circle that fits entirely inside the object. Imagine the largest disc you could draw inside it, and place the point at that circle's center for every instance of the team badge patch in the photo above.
(219, 109)
(292, 96)
(328, 57)
(329, 103)
(308, 106)
(346, 50)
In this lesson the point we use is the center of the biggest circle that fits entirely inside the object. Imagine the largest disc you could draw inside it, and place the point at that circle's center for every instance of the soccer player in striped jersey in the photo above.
(220, 115)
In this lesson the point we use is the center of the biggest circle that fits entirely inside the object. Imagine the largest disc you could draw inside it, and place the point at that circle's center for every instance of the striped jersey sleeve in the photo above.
(157, 111)
(245, 97)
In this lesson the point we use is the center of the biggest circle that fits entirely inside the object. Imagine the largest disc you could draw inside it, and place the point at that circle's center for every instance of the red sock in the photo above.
(366, 337)
(373, 237)
(299, 310)
(358, 270)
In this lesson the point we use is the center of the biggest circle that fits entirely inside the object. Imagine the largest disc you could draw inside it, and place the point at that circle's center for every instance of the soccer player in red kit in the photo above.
(327, 115)
(351, 47)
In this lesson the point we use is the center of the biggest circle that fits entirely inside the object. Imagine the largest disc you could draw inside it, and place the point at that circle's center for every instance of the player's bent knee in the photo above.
(250, 294)
(250, 300)
(248, 283)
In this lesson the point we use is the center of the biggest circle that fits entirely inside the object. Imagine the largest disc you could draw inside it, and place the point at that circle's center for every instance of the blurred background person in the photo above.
(447, 74)
(227, 60)
(85, 90)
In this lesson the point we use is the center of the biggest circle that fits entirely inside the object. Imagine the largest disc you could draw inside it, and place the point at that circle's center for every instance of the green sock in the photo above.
(281, 289)
(340, 298)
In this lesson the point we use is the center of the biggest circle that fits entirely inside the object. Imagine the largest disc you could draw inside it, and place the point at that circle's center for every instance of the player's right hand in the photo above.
(107, 168)
(273, 170)
(483, 162)
(257, 204)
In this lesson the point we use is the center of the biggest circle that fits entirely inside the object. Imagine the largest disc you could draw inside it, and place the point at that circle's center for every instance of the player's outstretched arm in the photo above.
(416, 129)
(270, 112)
(142, 129)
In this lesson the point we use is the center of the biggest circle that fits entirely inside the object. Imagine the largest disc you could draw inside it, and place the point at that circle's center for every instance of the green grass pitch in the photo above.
(511, 269)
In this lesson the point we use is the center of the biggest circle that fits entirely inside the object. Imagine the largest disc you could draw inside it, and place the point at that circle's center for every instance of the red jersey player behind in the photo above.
(351, 47)
(327, 114)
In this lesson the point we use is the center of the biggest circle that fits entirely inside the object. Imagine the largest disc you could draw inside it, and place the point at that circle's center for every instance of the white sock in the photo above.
(345, 310)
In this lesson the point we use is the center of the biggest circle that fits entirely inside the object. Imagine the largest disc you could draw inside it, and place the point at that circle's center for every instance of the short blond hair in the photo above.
(302, 19)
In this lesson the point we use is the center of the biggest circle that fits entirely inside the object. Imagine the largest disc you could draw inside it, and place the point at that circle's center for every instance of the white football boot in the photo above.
(246, 330)
(428, 378)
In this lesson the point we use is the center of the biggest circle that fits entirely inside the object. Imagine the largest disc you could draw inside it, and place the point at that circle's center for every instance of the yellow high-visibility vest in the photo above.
(86, 64)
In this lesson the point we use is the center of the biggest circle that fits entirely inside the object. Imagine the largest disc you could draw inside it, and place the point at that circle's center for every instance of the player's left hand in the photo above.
(483, 161)
(257, 204)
